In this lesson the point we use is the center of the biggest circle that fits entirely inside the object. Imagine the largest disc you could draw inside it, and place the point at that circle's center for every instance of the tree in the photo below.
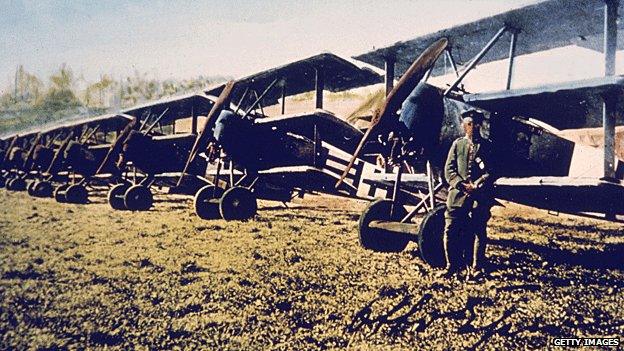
(60, 94)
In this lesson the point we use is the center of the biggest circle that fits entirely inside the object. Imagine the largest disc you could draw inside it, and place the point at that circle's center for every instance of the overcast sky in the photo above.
(188, 38)
(183, 39)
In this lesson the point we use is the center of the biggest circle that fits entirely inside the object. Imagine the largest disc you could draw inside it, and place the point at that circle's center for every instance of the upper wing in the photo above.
(563, 105)
(172, 109)
(543, 26)
(299, 77)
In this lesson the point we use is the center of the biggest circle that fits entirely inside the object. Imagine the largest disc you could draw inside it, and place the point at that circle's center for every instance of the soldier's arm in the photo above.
(450, 169)
(485, 163)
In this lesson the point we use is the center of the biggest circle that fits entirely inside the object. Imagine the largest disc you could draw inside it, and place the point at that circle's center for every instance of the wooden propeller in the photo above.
(204, 137)
(398, 94)
(115, 148)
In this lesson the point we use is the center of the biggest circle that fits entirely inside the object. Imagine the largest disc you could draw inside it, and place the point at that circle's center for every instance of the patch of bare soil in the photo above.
(294, 278)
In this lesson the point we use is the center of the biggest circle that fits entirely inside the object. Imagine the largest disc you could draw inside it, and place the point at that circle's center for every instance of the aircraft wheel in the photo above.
(3, 181)
(60, 192)
(8, 184)
(378, 239)
(17, 184)
(30, 188)
(206, 204)
(138, 198)
(42, 189)
(237, 203)
(431, 237)
(77, 194)
(116, 196)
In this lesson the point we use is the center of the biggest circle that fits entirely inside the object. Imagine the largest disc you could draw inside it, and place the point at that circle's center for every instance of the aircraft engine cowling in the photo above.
(80, 159)
(421, 118)
(234, 135)
(16, 156)
(42, 156)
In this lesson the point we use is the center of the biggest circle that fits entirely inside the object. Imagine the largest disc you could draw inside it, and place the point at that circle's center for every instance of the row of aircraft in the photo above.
(220, 146)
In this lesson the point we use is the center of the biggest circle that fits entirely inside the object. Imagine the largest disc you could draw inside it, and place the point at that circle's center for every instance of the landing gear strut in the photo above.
(385, 226)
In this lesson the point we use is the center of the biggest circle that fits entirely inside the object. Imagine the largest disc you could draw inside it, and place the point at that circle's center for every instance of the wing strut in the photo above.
(476, 60)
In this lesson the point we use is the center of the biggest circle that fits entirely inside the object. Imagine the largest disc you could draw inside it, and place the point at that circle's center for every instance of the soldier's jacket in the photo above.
(458, 168)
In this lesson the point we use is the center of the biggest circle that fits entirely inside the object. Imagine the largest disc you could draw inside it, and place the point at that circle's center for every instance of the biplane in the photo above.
(280, 157)
(14, 157)
(77, 160)
(536, 164)
(156, 150)
(63, 153)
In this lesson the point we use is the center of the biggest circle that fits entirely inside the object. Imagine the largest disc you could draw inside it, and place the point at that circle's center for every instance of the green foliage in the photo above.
(56, 100)
(28, 102)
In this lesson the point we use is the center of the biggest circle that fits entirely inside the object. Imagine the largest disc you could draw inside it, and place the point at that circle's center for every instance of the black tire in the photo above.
(431, 237)
(116, 196)
(77, 194)
(17, 184)
(42, 189)
(138, 198)
(206, 203)
(377, 239)
(3, 181)
(30, 188)
(60, 192)
(238, 203)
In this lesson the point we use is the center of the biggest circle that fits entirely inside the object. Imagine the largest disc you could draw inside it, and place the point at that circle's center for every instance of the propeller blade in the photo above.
(8, 149)
(32, 150)
(372, 103)
(204, 137)
(399, 93)
(117, 144)
(58, 155)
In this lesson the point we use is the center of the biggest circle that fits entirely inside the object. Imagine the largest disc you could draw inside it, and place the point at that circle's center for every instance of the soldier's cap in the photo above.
(476, 115)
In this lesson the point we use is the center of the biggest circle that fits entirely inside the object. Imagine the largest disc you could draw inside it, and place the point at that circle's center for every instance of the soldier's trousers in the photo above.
(465, 235)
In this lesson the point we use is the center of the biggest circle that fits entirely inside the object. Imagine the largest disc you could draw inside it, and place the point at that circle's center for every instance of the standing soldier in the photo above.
(467, 171)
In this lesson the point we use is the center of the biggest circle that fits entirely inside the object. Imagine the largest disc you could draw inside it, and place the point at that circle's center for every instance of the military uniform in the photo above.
(467, 215)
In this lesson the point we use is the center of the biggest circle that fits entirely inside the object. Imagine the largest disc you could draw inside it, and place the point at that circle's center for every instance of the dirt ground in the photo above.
(294, 278)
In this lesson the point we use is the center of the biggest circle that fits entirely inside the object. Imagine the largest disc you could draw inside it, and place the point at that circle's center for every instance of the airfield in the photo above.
(90, 260)
(292, 278)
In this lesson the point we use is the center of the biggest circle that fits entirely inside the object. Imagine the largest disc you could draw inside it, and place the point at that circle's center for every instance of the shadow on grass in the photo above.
(611, 258)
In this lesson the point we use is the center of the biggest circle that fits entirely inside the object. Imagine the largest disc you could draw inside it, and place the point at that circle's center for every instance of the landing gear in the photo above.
(59, 193)
(378, 239)
(41, 189)
(238, 203)
(138, 198)
(206, 202)
(16, 184)
(77, 194)
(431, 237)
(116, 196)
(30, 187)
(71, 193)
(3, 181)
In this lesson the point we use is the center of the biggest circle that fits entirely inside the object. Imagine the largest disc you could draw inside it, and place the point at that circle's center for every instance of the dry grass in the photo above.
(87, 276)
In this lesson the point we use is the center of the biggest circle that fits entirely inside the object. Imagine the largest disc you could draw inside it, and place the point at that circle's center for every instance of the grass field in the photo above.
(293, 278)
